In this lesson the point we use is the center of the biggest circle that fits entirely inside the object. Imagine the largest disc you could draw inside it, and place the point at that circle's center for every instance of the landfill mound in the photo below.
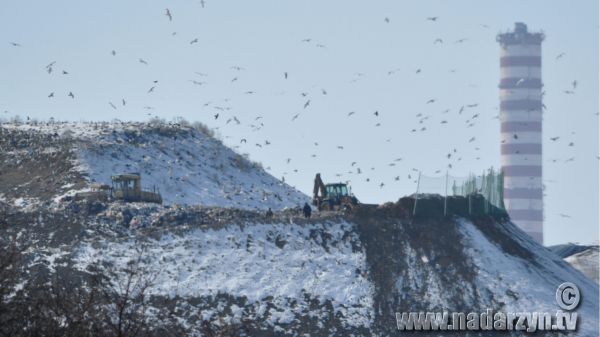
(44, 162)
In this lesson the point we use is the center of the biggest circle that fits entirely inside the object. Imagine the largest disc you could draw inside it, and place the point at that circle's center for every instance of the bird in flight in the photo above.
(123, 101)
(351, 113)
(14, 44)
(71, 95)
(574, 84)
(142, 61)
(285, 75)
(216, 116)
(438, 40)
(430, 101)
(151, 90)
(418, 71)
(461, 40)
(112, 105)
(114, 53)
(387, 20)
(432, 18)
(202, 3)
(295, 117)
(306, 104)
(306, 40)
(194, 41)
(376, 113)
(560, 56)
(554, 138)
(168, 14)
(51, 95)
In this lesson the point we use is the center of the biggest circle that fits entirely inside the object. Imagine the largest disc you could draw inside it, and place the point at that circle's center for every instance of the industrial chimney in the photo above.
(521, 127)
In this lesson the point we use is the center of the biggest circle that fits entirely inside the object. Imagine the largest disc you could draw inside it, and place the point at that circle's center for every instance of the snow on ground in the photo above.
(525, 288)
(185, 164)
(194, 169)
(586, 262)
(255, 261)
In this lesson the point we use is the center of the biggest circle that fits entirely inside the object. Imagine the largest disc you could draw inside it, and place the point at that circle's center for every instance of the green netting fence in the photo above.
(486, 190)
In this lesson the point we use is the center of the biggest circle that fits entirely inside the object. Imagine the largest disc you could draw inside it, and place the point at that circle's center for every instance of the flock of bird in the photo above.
(470, 112)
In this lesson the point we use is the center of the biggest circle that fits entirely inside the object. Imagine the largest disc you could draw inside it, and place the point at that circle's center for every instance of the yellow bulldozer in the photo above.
(333, 197)
(128, 187)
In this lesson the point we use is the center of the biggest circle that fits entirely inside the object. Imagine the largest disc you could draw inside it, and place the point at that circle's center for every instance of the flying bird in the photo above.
(216, 116)
(430, 101)
(554, 138)
(376, 113)
(112, 105)
(151, 90)
(306, 104)
(194, 41)
(574, 84)
(114, 53)
(387, 20)
(295, 117)
(143, 61)
(438, 40)
(418, 71)
(14, 44)
(71, 95)
(560, 55)
(461, 40)
(168, 14)
(285, 75)
(51, 95)
(123, 101)
(432, 18)
(351, 113)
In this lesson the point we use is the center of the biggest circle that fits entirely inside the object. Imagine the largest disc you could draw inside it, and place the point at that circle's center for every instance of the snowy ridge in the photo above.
(186, 164)
(519, 286)
(282, 262)
(586, 262)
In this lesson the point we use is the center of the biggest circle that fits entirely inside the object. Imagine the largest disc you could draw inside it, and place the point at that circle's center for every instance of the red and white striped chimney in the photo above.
(521, 127)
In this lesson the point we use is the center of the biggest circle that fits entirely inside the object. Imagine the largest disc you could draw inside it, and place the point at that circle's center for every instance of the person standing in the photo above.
(307, 210)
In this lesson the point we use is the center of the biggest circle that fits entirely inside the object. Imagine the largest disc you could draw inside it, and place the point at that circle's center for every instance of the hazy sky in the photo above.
(355, 61)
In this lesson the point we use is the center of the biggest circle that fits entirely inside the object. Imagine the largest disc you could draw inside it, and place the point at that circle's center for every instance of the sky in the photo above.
(347, 60)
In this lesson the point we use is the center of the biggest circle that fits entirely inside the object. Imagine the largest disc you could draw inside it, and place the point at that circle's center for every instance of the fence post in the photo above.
(469, 196)
(446, 195)
(417, 194)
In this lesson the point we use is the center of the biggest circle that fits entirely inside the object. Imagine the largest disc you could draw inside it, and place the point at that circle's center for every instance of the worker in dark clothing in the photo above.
(269, 213)
(307, 210)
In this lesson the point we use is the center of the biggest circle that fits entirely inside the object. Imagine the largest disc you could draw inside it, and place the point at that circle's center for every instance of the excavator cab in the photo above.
(337, 190)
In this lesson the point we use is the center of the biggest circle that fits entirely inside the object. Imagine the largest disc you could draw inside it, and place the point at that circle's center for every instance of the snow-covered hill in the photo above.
(185, 163)
(230, 266)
